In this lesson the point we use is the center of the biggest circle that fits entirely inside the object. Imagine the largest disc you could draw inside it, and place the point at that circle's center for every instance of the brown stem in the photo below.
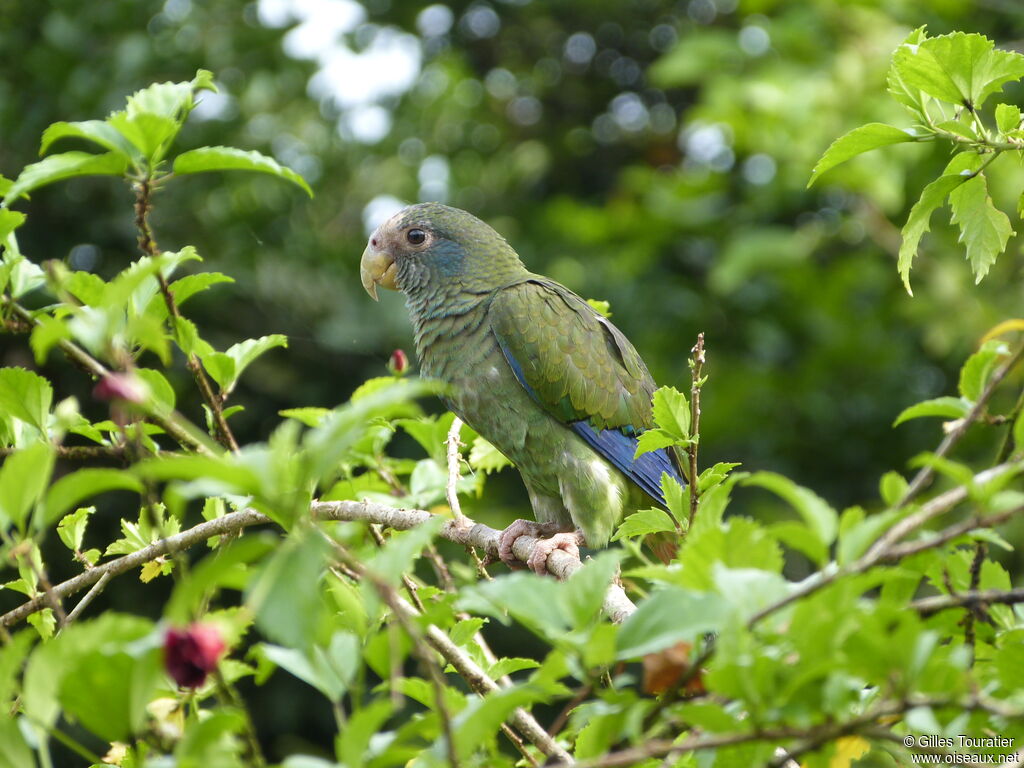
(926, 606)
(696, 366)
(148, 246)
(80, 452)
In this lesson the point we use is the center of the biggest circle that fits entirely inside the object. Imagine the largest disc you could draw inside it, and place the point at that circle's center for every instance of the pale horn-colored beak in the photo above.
(377, 268)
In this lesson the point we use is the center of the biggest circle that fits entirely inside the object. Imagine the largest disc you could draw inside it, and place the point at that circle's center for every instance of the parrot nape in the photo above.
(532, 367)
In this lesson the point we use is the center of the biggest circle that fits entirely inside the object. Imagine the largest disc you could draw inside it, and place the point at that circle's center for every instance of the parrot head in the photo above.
(428, 245)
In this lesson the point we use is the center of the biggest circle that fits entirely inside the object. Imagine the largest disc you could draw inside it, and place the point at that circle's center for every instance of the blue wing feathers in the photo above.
(619, 448)
(616, 445)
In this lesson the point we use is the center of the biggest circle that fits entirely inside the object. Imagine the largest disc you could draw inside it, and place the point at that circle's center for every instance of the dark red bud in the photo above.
(125, 387)
(398, 364)
(190, 654)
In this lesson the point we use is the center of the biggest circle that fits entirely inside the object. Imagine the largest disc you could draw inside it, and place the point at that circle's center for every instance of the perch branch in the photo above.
(560, 564)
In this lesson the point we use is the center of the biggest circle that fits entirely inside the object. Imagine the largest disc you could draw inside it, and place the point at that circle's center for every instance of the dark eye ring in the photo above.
(416, 236)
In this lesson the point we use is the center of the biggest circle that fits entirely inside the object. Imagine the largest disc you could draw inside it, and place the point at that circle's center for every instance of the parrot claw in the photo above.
(549, 539)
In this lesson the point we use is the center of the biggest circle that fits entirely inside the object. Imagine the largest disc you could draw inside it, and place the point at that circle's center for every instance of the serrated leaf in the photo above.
(149, 133)
(310, 416)
(943, 407)
(1007, 117)
(672, 412)
(97, 131)
(910, 97)
(26, 396)
(188, 286)
(65, 166)
(221, 368)
(233, 159)
(161, 393)
(975, 372)
(653, 440)
(959, 68)
(245, 352)
(984, 229)
(485, 457)
(71, 528)
(675, 496)
(933, 196)
(644, 522)
(856, 142)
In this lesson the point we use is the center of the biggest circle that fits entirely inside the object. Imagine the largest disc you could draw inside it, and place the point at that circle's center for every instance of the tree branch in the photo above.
(617, 605)
(927, 606)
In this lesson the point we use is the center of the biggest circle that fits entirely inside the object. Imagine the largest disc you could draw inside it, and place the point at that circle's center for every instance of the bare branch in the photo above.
(927, 606)
(454, 462)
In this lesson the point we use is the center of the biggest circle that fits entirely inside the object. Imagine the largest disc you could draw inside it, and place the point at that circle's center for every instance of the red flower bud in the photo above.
(398, 364)
(191, 654)
(125, 387)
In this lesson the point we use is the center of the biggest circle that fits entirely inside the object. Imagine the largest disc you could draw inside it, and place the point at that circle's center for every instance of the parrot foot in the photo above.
(567, 542)
(550, 537)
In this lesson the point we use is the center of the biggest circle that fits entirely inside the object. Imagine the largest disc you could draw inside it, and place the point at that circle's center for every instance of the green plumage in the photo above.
(478, 315)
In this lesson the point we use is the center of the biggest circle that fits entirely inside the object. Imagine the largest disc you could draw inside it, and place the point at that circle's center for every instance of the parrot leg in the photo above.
(551, 536)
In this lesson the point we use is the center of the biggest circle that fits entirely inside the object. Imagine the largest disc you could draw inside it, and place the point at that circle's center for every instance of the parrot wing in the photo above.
(583, 371)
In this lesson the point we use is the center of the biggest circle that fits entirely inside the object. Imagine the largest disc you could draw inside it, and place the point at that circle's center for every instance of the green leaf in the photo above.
(150, 134)
(892, 487)
(97, 131)
(231, 159)
(1007, 117)
(311, 417)
(161, 393)
(858, 141)
(486, 458)
(14, 752)
(933, 196)
(910, 97)
(188, 286)
(602, 308)
(672, 412)
(26, 396)
(245, 352)
(667, 617)
(943, 407)
(962, 69)
(584, 592)
(354, 740)
(979, 367)
(47, 334)
(71, 528)
(653, 440)
(9, 221)
(23, 478)
(984, 229)
(815, 511)
(644, 522)
(83, 484)
(65, 166)
(285, 595)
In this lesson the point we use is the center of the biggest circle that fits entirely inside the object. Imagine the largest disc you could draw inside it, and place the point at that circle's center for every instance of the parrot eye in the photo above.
(416, 236)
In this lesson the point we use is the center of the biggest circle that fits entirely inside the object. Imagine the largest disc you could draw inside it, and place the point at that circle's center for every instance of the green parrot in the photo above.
(532, 367)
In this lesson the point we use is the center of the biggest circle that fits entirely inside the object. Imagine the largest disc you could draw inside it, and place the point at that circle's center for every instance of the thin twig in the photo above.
(617, 606)
(696, 366)
(926, 606)
(79, 452)
(454, 470)
(89, 597)
(953, 436)
(148, 246)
